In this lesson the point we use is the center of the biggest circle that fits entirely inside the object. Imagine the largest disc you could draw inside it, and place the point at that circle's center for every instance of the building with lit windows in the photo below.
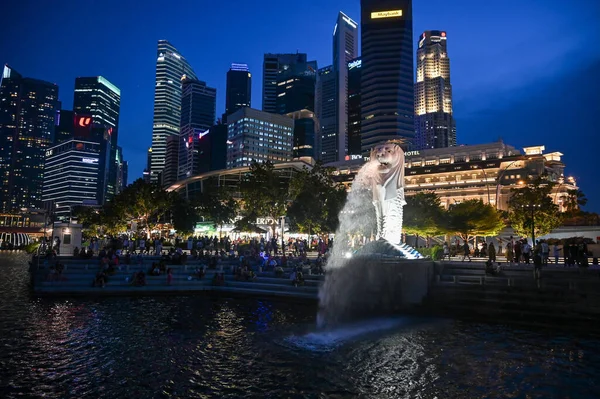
(273, 66)
(63, 130)
(198, 113)
(99, 98)
(484, 171)
(345, 48)
(171, 68)
(27, 120)
(354, 112)
(255, 135)
(434, 123)
(387, 86)
(238, 93)
(75, 174)
(326, 110)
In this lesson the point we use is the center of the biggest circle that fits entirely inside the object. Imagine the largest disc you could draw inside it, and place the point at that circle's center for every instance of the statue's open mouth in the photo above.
(384, 163)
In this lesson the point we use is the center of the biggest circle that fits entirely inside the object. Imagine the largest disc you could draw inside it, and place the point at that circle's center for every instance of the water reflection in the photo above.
(199, 346)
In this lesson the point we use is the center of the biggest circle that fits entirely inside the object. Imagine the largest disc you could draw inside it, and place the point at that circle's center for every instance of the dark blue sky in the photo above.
(525, 71)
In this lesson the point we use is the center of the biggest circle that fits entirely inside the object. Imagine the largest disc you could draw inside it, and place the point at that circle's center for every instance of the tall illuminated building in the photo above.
(27, 122)
(434, 123)
(273, 66)
(238, 92)
(198, 114)
(326, 110)
(354, 112)
(345, 48)
(171, 68)
(97, 97)
(387, 86)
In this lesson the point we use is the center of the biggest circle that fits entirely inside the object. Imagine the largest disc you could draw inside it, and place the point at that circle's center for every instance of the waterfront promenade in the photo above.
(562, 296)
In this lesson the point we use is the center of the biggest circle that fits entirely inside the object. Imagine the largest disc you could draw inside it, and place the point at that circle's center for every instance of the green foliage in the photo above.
(32, 248)
(474, 218)
(436, 252)
(217, 205)
(265, 192)
(142, 202)
(316, 200)
(424, 215)
(534, 199)
(574, 200)
(183, 214)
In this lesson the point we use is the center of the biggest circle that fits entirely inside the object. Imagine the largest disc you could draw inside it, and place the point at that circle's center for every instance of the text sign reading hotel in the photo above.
(386, 14)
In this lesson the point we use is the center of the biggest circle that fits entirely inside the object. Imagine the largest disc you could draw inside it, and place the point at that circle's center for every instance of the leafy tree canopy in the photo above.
(533, 198)
(474, 218)
(424, 215)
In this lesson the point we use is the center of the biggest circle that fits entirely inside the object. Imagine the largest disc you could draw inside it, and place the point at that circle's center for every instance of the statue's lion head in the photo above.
(389, 157)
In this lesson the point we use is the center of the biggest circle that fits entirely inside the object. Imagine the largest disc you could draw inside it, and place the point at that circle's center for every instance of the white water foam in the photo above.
(328, 340)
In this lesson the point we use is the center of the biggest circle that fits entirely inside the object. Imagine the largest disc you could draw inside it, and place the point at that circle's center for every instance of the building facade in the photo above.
(354, 112)
(434, 123)
(27, 121)
(64, 126)
(345, 48)
(486, 172)
(255, 135)
(97, 97)
(198, 113)
(326, 110)
(171, 68)
(387, 87)
(273, 65)
(239, 89)
(75, 174)
(306, 134)
(212, 149)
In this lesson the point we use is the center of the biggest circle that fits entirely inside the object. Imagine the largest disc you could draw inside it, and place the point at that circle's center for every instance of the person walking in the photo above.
(556, 253)
(545, 252)
(446, 251)
(467, 251)
(509, 253)
(491, 251)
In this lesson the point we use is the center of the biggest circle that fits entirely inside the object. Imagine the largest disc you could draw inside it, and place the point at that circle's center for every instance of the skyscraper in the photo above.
(27, 119)
(198, 114)
(239, 89)
(326, 110)
(345, 48)
(274, 64)
(387, 87)
(434, 123)
(64, 126)
(97, 97)
(171, 68)
(257, 135)
(354, 113)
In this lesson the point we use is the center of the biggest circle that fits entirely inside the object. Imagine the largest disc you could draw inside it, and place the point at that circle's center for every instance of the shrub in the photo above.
(436, 252)
(31, 248)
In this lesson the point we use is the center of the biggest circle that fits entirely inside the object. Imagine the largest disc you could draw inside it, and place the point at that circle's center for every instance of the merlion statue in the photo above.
(388, 190)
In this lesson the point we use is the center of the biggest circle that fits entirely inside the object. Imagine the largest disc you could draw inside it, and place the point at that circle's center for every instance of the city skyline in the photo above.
(499, 80)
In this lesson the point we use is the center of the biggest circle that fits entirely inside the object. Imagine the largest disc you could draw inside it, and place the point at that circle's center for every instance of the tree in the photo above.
(534, 199)
(145, 203)
(424, 215)
(473, 218)
(316, 200)
(574, 200)
(218, 205)
(264, 193)
(183, 214)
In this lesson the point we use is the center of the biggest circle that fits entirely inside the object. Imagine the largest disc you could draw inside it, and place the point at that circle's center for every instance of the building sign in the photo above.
(411, 153)
(48, 153)
(89, 160)
(265, 221)
(355, 64)
(386, 14)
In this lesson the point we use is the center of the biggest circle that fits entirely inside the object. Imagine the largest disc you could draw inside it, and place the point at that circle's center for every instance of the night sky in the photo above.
(523, 71)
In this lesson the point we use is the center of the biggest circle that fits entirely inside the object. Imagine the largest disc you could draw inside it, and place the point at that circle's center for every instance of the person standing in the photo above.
(467, 251)
(556, 253)
(491, 251)
(518, 247)
(446, 251)
(509, 253)
(545, 252)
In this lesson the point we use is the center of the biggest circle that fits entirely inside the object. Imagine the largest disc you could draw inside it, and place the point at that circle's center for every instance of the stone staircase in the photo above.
(78, 275)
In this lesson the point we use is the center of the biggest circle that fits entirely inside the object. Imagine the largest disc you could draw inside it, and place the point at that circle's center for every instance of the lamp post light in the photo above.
(498, 185)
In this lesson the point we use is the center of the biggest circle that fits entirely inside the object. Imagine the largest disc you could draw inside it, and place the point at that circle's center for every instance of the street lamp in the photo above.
(487, 186)
(498, 185)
